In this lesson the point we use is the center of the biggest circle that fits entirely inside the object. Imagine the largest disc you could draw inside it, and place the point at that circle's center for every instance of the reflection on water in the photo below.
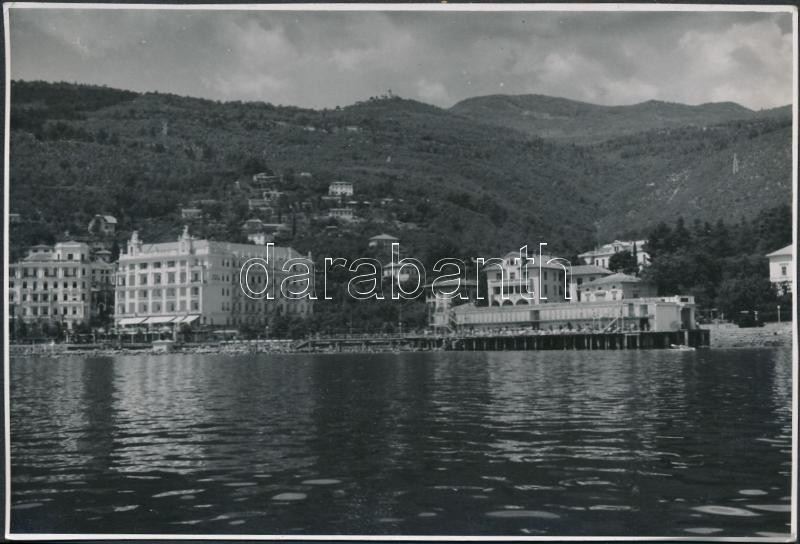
(505, 443)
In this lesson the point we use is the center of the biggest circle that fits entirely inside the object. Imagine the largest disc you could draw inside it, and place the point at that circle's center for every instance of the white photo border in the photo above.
(440, 7)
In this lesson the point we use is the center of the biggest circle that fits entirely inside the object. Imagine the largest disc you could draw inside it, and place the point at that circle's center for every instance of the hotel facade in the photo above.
(67, 283)
(197, 282)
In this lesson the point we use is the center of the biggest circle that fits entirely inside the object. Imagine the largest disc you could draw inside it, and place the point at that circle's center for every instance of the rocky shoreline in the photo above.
(727, 335)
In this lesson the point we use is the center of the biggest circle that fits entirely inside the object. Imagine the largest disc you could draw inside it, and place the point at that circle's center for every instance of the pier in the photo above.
(507, 342)
(366, 343)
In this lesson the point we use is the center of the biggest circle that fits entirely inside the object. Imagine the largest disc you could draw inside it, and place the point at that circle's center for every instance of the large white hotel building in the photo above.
(197, 282)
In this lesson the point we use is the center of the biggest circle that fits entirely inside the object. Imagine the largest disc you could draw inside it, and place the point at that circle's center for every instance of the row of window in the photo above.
(158, 264)
(45, 297)
(157, 279)
(50, 272)
(156, 307)
(45, 286)
(181, 306)
(44, 310)
(170, 292)
(517, 289)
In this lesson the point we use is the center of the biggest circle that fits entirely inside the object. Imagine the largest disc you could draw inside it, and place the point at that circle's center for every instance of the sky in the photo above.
(324, 59)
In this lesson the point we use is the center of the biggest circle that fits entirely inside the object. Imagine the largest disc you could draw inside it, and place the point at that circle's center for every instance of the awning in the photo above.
(187, 319)
(131, 321)
(158, 319)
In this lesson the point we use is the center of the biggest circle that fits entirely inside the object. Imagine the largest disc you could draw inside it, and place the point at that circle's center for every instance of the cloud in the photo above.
(747, 63)
(323, 59)
(433, 92)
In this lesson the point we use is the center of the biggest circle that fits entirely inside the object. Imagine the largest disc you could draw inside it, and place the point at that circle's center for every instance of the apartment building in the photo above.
(67, 283)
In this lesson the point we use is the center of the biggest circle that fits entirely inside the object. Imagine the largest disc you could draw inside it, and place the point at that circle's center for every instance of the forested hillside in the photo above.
(454, 183)
(728, 171)
(142, 157)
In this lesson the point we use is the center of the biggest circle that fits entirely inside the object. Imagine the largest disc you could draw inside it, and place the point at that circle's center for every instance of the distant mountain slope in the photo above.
(580, 122)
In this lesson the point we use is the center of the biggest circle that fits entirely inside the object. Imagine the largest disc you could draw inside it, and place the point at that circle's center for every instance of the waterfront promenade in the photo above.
(489, 340)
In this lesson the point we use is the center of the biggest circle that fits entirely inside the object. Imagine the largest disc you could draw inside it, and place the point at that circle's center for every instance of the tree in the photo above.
(718, 265)
(657, 241)
(745, 293)
(624, 262)
(82, 327)
(248, 331)
(279, 326)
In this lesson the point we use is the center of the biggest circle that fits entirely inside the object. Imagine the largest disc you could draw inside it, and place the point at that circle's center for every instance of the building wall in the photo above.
(345, 214)
(439, 306)
(339, 188)
(59, 285)
(579, 279)
(667, 317)
(258, 238)
(506, 286)
(619, 292)
(782, 271)
(201, 278)
(635, 314)
(382, 243)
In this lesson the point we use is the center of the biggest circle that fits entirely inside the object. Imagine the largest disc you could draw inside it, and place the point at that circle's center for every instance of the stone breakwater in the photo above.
(727, 335)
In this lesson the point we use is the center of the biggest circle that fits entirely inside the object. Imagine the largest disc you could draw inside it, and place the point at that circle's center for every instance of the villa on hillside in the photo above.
(340, 188)
(103, 225)
(343, 214)
(602, 255)
(191, 213)
(263, 179)
(382, 241)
